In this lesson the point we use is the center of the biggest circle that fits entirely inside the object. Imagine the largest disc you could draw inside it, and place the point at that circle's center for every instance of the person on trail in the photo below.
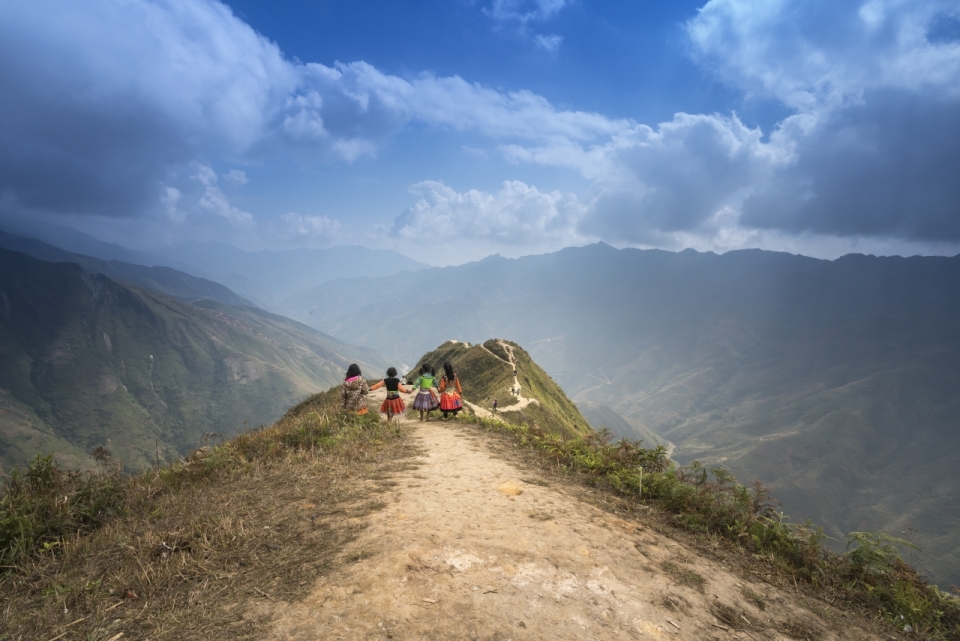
(393, 404)
(426, 400)
(353, 391)
(494, 406)
(450, 391)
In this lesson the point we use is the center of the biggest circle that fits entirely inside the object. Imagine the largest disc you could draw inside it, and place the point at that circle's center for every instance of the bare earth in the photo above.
(470, 547)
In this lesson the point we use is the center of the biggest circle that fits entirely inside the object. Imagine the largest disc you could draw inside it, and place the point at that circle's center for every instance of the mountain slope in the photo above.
(165, 280)
(87, 361)
(835, 382)
(486, 373)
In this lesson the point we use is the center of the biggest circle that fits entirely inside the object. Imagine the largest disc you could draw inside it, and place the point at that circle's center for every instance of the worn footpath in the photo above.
(469, 546)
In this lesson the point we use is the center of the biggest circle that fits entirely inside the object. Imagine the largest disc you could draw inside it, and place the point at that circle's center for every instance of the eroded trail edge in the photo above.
(471, 546)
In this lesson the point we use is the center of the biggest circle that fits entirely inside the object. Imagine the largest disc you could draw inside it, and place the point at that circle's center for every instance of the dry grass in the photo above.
(684, 576)
(210, 543)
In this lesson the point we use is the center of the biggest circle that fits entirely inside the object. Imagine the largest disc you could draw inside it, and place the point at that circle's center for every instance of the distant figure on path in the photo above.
(353, 390)
(426, 400)
(494, 406)
(393, 404)
(450, 391)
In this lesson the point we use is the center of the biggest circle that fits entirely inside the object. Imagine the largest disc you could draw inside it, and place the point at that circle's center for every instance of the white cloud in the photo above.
(550, 43)
(813, 56)
(168, 200)
(236, 176)
(517, 214)
(145, 89)
(311, 226)
(216, 202)
(524, 11)
(877, 111)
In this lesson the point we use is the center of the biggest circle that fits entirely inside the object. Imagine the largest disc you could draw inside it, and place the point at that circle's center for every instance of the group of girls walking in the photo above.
(355, 388)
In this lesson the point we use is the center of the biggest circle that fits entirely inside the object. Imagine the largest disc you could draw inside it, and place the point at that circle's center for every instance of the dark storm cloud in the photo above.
(888, 166)
(105, 100)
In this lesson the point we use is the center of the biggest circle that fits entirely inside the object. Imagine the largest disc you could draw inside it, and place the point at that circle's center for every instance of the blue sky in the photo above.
(451, 130)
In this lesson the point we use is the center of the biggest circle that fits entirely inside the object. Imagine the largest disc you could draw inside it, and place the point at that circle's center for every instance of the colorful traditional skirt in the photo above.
(450, 402)
(425, 400)
(393, 405)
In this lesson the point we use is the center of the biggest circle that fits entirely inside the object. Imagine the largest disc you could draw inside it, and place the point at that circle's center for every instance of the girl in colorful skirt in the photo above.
(426, 400)
(450, 391)
(353, 390)
(393, 404)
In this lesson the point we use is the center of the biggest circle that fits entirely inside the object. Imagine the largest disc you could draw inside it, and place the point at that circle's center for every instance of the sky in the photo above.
(450, 130)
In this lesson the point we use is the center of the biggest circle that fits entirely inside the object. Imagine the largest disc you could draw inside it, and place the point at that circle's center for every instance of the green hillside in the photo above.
(601, 416)
(486, 374)
(86, 361)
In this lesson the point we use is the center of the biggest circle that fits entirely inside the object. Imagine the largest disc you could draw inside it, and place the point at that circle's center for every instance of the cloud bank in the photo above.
(126, 107)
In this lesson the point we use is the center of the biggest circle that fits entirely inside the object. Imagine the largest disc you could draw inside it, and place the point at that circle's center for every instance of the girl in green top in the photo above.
(426, 400)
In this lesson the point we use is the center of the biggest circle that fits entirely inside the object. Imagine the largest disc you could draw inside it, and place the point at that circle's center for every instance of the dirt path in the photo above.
(521, 400)
(471, 547)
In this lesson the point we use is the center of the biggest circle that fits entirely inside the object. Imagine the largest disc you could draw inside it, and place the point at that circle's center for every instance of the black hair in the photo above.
(425, 369)
(353, 370)
(392, 371)
(433, 371)
(448, 368)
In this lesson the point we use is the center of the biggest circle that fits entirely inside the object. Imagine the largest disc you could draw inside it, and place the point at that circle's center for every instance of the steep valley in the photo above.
(835, 382)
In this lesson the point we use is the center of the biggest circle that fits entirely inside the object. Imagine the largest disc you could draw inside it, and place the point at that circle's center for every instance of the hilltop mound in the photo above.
(486, 372)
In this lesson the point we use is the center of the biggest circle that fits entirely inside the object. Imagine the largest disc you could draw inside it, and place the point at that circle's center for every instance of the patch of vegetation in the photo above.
(754, 598)
(684, 576)
(182, 552)
(871, 573)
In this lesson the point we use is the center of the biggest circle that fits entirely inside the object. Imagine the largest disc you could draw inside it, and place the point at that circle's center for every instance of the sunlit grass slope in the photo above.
(485, 374)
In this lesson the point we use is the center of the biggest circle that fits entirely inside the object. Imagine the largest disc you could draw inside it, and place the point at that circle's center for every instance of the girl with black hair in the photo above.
(393, 404)
(426, 400)
(353, 390)
(450, 391)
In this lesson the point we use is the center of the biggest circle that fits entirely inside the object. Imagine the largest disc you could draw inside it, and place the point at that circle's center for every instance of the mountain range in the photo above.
(165, 280)
(270, 277)
(835, 382)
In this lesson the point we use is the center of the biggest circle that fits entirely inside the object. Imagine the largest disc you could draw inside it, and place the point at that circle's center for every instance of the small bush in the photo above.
(44, 504)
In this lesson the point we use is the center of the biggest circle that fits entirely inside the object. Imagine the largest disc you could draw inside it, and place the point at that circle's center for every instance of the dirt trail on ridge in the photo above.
(470, 546)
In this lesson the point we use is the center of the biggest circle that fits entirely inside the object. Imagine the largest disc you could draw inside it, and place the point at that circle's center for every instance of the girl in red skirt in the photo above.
(393, 404)
(450, 391)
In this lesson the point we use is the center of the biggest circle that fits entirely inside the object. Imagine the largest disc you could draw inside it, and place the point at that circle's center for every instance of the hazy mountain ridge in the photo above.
(165, 280)
(269, 277)
(77, 242)
(833, 381)
(86, 361)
